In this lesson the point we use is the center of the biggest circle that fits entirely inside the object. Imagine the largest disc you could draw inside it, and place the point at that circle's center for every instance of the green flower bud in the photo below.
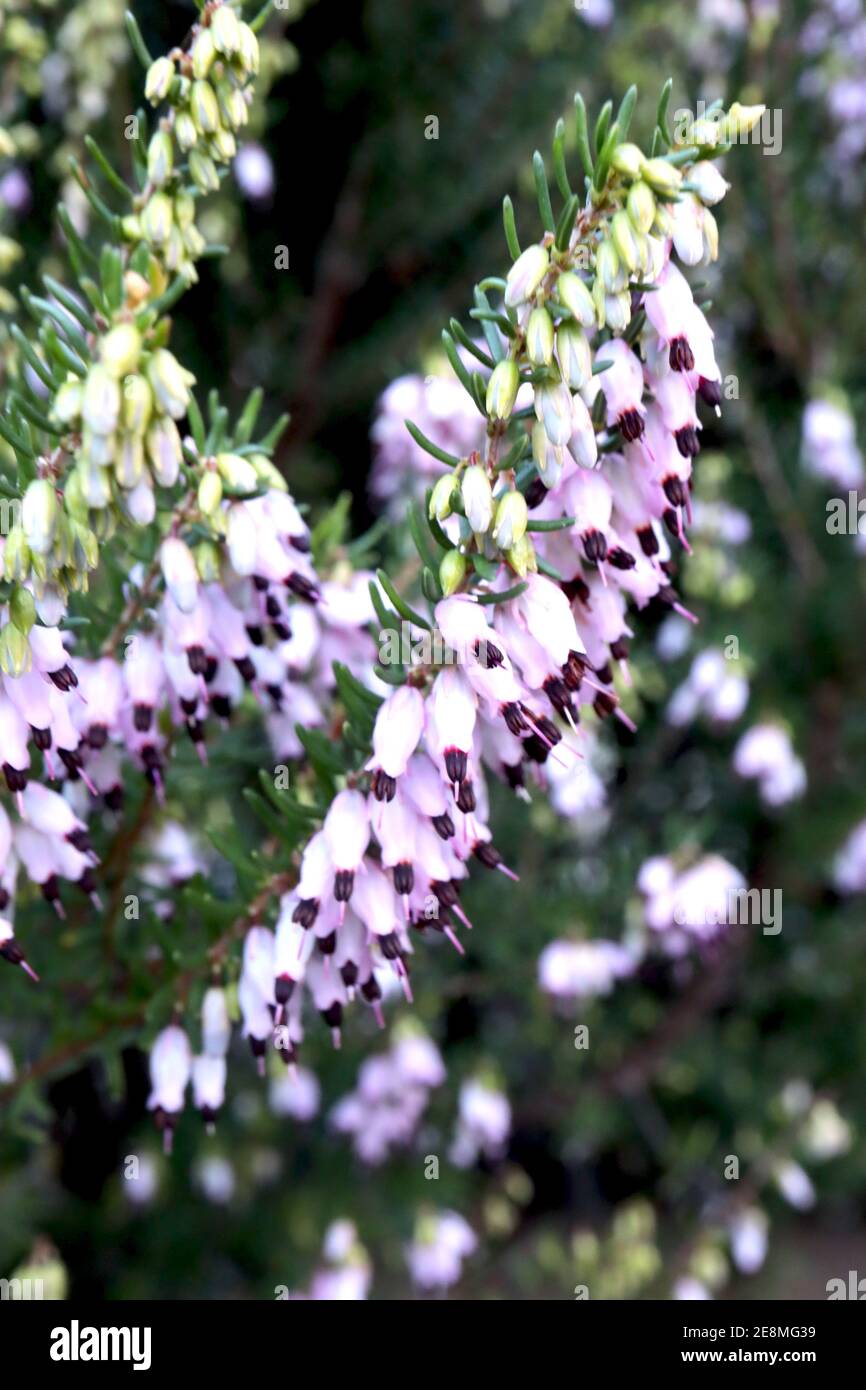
(233, 107)
(193, 242)
(248, 49)
(16, 555)
(184, 210)
(160, 158)
(156, 219)
(157, 83)
(452, 571)
(526, 275)
(85, 547)
(742, 119)
(203, 52)
(224, 145)
(173, 251)
(511, 518)
(608, 269)
(130, 228)
(40, 512)
(226, 31)
(627, 159)
(205, 108)
(203, 172)
(39, 568)
(625, 241)
(120, 350)
(22, 609)
(15, 655)
(237, 472)
(10, 252)
(662, 177)
(663, 225)
(210, 492)
(502, 389)
(539, 338)
(574, 354)
(641, 205)
(268, 474)
(73, 497)
(477, 497)
(442, 497)
(710, 229)
(522, 558)
(61, 551)
(100, 407)
(185, 131)
(170, 383)
(599, 295)
(137, 404)
(574, 294)
(67, 401)
(96, 486)
(207, 560)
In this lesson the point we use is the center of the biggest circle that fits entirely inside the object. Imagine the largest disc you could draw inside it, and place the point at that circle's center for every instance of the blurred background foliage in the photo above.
(614, 1176)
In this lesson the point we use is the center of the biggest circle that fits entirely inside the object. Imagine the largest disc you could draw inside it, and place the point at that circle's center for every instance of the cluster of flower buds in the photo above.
(442, 1241)
(244, 611)
(691, 904)
(207, 89)
(173, 1066)
(390, 1096)
(549, 536)
(100, 384)
(584, 969)
(345, 1273)
(119, 441)
(483, 1122)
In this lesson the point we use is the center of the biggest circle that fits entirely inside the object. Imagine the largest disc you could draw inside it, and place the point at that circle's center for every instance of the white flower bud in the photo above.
(548, 458)
(179, 572)
(553, 409)
(708, 182)
(539, 338)
(164, 451)
(215, 1026)
(100, 407)
(160, 158)
(574, 294)
(477, 499)
(242, 540)
(170, 382)
(574, 354)
(170, 1065)
(526, 275)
